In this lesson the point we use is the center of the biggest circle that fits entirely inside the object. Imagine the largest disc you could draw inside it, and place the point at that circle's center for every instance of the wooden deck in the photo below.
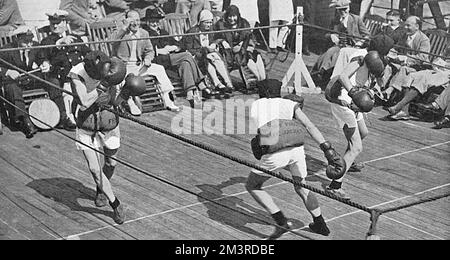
(47, 193)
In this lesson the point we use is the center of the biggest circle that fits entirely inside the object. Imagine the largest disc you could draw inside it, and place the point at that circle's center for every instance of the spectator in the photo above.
(239, 47)
(281, 12)
(418, 83)
(348, 24)
(169, 54)
(441, 104)
(206, 53)
(193, 8)
(216, 5)
(393, 28)
(248, 9)
(10, 17)
(138, 55)
(82, 12)
(62, 59)
(12, 79)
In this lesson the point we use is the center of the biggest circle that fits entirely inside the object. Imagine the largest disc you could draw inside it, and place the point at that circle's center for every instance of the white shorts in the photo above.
(291, 159)
(109, 139)
(345, 116)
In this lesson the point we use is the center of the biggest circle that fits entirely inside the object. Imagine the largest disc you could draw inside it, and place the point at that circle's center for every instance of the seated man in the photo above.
(168, 54)
(14, 82)
(10, 17)
(441, 104)
(393, 28)
(346, 23)
(193, 8)
(238, 47)
(62, 59)
(138, 55)
(409, 60)
(206, 53)
(418, 83)
(82, 12)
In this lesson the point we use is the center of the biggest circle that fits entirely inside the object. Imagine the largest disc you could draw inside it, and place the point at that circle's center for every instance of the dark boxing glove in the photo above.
(362, 98)
(256, 148)
(336, 164)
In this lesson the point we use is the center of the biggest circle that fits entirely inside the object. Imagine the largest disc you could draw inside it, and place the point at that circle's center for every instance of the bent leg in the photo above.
(103, 184)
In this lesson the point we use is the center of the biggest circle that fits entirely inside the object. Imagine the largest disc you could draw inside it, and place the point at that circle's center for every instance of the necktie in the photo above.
(24, 58)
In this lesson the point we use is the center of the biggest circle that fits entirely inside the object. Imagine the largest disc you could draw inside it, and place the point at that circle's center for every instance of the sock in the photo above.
(318, 219)
(279, 218)
(115, 204)
(335, 185)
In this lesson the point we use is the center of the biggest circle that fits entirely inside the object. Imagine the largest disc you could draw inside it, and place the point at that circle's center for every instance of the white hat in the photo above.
(57, 13)
(205, 15)
(340, 4)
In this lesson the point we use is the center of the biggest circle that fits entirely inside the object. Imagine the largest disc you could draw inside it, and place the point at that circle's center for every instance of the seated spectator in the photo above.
(441, 104)
(248, 9)
(10, 17)
(61, 60)
(239, 47)
(138, 55)
(14, 82)
(281, 12)
(346, 23)
(206, 53)
(82, 12)
(169, 55)
(418, 83)
(193, 8)
(393, 28)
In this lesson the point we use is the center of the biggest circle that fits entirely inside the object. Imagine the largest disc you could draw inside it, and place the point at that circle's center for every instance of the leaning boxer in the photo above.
(280, 145)
(93, 82)
(350, 97)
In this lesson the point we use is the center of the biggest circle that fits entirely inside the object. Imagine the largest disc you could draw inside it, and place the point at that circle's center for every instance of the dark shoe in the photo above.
(28, 129)
(210, 93)
(279, 231)
(356, 167)
(428, 107)
(173, 108)
(444, 123)
(320, 228)
(339, 193)
(119, 215)
(66, 124)
(101, 200)
(402, 115)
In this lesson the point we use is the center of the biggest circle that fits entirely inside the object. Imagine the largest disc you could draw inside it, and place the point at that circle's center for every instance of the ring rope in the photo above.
(148, 174)
(231, 30)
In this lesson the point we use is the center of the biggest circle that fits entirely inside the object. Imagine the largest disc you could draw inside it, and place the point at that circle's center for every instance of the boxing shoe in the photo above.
(66, 124)
(402, 115)
(339, 193)
(356, 167)
(28, 128)
(443, 123)
(320, 227)
(280, 230)
(119, 215)
(428, 107)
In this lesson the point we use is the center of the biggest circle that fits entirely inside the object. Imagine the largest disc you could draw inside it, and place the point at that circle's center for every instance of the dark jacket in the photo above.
(63, 59)
(161, 43)
(234, 38)
(355, 27)
(397, 35)
(15, 59)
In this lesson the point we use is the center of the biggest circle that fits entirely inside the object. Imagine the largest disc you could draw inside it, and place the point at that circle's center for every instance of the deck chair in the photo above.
(176, 24)
(373, 23)
(439, 41)
(101, 31)
(5, 38)
(151, 100)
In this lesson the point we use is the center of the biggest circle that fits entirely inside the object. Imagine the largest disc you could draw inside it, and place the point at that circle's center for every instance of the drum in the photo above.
(46, 111)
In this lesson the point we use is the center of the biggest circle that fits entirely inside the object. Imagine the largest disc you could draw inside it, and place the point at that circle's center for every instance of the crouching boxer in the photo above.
(280, 145)
(93, 84)
(350, 97)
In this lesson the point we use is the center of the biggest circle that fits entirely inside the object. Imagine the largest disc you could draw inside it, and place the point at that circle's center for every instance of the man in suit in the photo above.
(138, 55)
(345, 23)
(414, 59)
(394, 27)
(26, 60)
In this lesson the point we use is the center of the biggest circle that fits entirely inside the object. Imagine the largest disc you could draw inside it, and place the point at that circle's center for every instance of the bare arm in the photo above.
(346, 75)
(309, 126)
(86, 99)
